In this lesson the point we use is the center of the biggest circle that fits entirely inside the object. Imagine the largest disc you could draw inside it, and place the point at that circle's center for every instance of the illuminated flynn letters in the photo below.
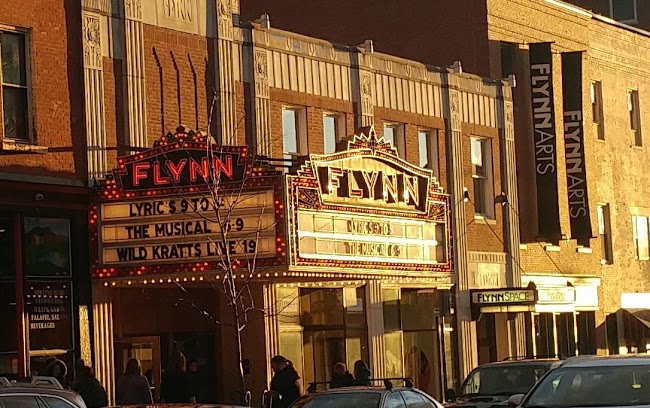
(180, 168)
(374, 185)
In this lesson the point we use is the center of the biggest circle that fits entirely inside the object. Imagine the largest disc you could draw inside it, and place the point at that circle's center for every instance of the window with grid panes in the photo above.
(15, 92)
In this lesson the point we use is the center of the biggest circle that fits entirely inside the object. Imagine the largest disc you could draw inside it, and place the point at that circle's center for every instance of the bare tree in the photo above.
(236, 247)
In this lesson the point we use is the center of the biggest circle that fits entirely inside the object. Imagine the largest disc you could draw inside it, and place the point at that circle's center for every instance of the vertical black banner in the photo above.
(541, 86)
(574, 147)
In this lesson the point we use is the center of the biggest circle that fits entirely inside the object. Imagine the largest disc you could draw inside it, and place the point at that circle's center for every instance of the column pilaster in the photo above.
(227, 118)
(467, 339)
(104, 362)
(375, 319)
(94, 96)
(135, 114)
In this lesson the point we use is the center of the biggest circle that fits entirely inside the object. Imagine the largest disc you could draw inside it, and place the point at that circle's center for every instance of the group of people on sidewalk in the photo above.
(286, 386)
(85, 383)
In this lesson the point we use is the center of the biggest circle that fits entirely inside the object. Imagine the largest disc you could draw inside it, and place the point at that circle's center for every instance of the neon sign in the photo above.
(165, 209)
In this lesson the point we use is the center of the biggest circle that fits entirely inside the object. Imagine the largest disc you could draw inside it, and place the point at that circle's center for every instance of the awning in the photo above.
(642, 315)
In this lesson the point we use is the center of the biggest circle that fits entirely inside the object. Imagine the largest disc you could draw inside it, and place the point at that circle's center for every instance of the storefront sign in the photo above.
(368, 209)
(574, 141)
(543, 105)
(48, 305)
(185, 206)
(503, 297)
(556, 295)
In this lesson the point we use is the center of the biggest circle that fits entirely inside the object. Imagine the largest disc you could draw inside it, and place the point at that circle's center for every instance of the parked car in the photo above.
(492, 384)
(368, 397)
(593, 381)
(38, 392)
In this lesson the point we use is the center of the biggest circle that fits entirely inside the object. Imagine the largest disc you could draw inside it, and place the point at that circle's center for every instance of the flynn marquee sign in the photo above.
(182, 206)
(366, 208)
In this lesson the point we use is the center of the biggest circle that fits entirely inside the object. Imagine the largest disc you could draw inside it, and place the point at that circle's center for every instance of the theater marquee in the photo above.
(158, 213)
(366, 208)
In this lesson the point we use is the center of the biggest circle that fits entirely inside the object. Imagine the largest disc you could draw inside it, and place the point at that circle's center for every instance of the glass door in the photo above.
(145, 349)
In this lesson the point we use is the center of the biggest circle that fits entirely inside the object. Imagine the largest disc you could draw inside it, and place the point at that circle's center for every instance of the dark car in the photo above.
(593, 381)
(368, 397)
(492, 384)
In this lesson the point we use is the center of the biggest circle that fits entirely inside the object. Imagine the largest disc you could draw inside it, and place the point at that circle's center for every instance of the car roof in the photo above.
(607, 361)
(33, 389)
(359, 388)
(525, 362)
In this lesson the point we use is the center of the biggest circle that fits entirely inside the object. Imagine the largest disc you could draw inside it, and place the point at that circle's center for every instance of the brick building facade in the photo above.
(152, 65)
(500, 34)
(43, 186)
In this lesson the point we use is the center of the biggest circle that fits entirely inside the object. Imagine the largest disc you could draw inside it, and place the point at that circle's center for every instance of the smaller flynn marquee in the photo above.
(366, 210)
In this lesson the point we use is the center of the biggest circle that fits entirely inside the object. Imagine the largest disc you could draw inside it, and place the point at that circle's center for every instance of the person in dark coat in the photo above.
(286, 386)
(86, 385)
(59, 370)
(341, 377)
(133, 387)
(361, 373)
(176, 386)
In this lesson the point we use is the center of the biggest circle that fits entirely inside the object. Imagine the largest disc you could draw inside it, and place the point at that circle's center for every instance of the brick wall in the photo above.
(179, 72)
(435, 32)
(57, 88)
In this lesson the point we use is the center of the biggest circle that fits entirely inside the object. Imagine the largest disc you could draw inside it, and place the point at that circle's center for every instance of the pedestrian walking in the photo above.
(59, 370)
(176, 386)
(86, 385)
(341, 377)
(133, 388)
(286, 386)
(361, 373)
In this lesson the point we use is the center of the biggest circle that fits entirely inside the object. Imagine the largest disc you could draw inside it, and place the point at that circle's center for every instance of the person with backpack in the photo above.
(86, 385)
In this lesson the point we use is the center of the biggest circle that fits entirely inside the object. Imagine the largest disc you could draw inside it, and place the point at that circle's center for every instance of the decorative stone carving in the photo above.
(366, 85)
(454, 102)
(261, 74)
(179, 9)
(223, 8)
(133, 9)
(92, 41)
(312, 49)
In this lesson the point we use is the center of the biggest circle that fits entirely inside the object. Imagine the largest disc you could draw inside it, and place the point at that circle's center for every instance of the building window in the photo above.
(428, 146)
(294, 132)
(635, 117)
(507, 59)
(15, 92)
(394, 133)
(640, 233)
(605, 233)
(597, 108)
(46, 245)
(481, 152)
(623, 11)
(333, 130)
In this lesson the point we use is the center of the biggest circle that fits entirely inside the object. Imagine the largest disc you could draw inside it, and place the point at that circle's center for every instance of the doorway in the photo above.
(145, 349)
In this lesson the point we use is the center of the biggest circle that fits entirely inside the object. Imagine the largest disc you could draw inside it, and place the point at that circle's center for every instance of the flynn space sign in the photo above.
(366, 208)
(184, 205)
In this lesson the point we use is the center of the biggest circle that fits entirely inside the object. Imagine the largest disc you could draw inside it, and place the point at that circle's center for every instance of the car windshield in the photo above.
(340, 400)
(503, 379)
(593, 387)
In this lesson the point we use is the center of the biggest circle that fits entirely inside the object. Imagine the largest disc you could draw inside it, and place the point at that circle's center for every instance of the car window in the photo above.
(507, 379)
(415, 400)
(340, 400)
(592, 386)
(394, 400)
(53, 402)
(18, 401)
